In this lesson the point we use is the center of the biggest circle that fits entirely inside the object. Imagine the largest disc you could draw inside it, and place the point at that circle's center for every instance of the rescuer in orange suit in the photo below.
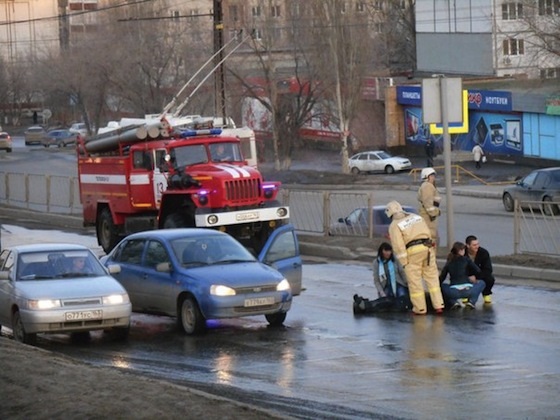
(413, 247)
(429, 199)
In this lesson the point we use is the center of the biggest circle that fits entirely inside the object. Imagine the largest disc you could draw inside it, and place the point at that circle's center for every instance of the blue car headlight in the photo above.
(220, 290)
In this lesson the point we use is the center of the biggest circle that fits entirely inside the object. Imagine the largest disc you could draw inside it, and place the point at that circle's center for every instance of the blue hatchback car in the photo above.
(200, 274)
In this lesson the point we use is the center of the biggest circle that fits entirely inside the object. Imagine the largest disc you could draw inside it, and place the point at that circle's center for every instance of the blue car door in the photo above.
(159, 287)
(281, 252)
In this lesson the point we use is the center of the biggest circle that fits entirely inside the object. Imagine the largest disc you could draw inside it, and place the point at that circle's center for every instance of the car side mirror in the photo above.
(341, 220)
(114, 268)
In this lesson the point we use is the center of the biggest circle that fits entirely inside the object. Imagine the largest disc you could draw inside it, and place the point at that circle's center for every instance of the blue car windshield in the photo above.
(207, 250)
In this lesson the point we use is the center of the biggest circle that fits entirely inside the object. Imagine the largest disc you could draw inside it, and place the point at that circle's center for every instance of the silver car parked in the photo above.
(59, 288)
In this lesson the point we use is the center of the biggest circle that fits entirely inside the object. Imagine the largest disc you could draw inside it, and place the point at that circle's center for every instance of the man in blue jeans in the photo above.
(461, 285)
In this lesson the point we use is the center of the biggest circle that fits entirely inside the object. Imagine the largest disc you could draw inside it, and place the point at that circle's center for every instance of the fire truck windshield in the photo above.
(189, 155)
(225, 152)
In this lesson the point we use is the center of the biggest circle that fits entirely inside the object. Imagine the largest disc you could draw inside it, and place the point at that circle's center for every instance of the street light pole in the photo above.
(447, 159)
(220, 90)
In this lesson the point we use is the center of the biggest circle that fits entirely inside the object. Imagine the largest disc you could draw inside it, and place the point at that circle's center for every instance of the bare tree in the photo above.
(344, 36)
(290, 85)
(538, 28)
(20, 89)
(394, 23)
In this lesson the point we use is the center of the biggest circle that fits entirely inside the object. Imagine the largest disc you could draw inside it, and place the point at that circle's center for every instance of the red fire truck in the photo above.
(153, 176)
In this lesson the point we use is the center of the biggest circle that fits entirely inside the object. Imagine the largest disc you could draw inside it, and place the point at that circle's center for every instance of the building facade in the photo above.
(30, 29)
(494, 37)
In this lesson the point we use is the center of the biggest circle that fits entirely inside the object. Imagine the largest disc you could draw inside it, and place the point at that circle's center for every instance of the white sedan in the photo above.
(59, 288)
(376, 161)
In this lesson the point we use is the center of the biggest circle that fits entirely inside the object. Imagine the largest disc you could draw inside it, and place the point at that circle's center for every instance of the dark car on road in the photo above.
(198, 274)
(356, 223)
(541, 185)
(59, 138)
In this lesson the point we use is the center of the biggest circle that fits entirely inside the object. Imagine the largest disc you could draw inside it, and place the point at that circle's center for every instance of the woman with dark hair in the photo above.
(390, 281)
(461, 285)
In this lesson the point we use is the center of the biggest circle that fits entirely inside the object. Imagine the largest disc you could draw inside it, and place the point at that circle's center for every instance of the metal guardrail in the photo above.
(536, 225)
(458, 170)
(45, 193)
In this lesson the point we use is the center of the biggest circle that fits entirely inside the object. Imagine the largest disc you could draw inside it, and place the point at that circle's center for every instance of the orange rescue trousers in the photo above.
(422, 265)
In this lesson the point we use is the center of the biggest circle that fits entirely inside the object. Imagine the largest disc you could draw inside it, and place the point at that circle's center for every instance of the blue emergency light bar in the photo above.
(195, 133)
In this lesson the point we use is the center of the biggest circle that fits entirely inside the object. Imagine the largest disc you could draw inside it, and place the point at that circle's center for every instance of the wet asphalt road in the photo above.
(498, 361)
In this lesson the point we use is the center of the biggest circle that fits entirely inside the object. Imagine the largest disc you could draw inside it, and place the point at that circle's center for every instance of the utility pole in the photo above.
(220, 88)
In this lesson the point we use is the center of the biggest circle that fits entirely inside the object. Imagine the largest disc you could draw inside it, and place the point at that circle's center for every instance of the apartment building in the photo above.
(30, 29)
(489, 37)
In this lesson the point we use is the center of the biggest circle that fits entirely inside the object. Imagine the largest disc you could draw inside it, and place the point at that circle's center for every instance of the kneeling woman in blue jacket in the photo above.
(390, 281)
(461, 285)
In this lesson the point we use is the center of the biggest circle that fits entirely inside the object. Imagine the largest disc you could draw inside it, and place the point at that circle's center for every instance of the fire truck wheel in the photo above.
(106, 231)
(175, 220)
(191, 318)
(277, 319)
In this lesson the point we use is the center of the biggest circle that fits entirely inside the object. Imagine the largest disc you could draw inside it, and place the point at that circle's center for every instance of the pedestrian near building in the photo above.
(429, 148)
(429, 201)
(413, 248)
(481, 258)
(478, 155)
(461, 285)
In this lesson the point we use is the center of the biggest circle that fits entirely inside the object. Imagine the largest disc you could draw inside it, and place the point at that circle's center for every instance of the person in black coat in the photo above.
(481, 258)
(429, 148)
(461, 286)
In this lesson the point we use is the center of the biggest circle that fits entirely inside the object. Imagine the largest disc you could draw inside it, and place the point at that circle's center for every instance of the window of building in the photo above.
(295, 8)
(275, 11)
(343, 7)
(549, 7)
(550, 73)
(360, 7)
(512, 11)
(256, 11)
(257, 34)
(276, 33)
(175, 14)
(513, 46)
(233, 13)
(378, 4)
(193, 13)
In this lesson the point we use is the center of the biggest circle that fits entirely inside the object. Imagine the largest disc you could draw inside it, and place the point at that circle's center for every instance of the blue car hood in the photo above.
(244, 274)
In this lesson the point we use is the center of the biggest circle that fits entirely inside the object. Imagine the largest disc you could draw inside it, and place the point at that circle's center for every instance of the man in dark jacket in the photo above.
(481, 258)
(429, 148)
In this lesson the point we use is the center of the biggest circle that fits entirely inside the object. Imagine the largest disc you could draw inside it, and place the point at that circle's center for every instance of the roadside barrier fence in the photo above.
(536, 225)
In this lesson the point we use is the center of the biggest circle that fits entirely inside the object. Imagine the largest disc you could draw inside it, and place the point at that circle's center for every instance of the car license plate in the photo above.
(83, 315)
(259, 301)
(243, 217)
